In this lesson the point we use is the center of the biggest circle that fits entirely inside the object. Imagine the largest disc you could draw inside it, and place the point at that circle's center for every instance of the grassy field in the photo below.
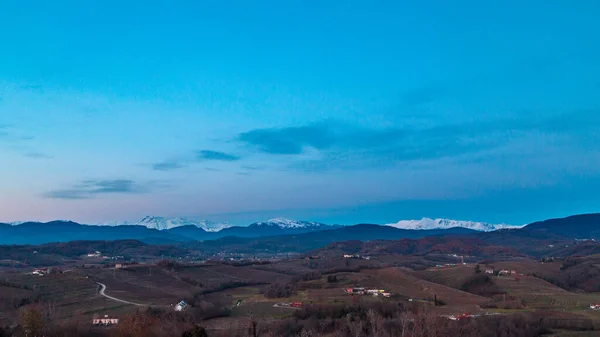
(65, 295)
(402, 282)
(451, 276)
(536, 293)
(75, 294)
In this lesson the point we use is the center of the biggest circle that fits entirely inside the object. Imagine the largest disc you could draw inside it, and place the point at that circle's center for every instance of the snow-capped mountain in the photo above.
(160, 223)
(289, 224)
(427, 223)
(16, 223)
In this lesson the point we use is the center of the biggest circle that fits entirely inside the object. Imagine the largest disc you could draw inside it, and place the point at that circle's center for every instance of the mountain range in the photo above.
(283, 232)
(427, 224)
(161, 223)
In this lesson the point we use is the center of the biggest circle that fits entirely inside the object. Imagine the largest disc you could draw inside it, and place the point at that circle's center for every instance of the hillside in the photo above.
(65, 231)
(314, 240)
(583, 226)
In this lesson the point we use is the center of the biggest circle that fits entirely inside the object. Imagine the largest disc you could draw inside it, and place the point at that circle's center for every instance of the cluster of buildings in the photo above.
(446, 265)
(356, 256)
(460, 317)
(364, 291)
(94, 254)
(41, 272)
(502, 272)
(99, 254)
(595, 306)
(106, 320)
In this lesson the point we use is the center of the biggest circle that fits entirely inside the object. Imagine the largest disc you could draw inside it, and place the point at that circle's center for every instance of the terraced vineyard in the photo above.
(539, 294)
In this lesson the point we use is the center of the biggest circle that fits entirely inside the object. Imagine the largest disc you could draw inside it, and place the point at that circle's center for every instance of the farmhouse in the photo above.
(40, 272)
(181, 306)
(363, 291)
(489, 271)
(356, 290)
(460, 317)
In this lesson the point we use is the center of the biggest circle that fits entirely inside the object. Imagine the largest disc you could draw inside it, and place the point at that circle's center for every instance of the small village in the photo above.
(365, 291)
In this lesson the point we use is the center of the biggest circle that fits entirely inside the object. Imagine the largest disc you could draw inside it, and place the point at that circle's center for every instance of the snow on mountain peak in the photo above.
(427, 223)
(16, 223)
(160, 223)
(287, 223)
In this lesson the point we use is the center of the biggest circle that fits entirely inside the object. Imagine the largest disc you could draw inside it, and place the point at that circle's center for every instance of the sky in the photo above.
(335, 111)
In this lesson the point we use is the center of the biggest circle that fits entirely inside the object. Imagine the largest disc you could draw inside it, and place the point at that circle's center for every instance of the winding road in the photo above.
(102, 293)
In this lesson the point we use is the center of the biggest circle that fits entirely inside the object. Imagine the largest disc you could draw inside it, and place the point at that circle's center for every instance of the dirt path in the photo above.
(102, 293)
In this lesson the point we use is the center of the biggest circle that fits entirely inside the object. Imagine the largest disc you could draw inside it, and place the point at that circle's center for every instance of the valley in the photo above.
(284, 284)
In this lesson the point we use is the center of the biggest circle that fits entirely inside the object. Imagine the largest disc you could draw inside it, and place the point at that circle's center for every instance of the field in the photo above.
(224, 296)
(66, 296)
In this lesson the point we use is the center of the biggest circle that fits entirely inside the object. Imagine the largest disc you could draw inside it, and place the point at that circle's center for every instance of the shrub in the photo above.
(280, 290)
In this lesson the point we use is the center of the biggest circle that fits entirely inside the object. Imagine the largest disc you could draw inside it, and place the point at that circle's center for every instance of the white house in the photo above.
(181, 306)
(94, 254)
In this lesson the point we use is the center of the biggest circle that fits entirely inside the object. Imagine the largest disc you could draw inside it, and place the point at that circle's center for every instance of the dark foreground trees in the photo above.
(368, 319)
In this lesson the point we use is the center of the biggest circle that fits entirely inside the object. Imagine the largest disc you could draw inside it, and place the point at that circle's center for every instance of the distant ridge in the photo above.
(427, 224)
(582, 226)
(162, 224)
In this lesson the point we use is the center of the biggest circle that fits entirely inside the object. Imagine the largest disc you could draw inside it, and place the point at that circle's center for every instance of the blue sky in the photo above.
(337, 111)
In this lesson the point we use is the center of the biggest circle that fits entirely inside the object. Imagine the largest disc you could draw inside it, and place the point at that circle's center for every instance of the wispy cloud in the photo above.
(91, 188)
(215, 155)
(20, 143)
(5, 131)
(343, 145)
(252, 168)
(196, 157)
(167, 165)
(321, 136)
(38, 155)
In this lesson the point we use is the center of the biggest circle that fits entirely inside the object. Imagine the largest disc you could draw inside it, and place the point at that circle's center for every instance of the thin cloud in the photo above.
(252, 168)
(88, 189)
(346, 146)
(321, 136)
(198, 156)
(204, 155)
(38, 155)
(5, 133)
(167, 166)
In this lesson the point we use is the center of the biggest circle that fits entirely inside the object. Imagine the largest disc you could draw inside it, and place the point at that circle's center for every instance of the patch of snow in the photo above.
(160, 223)
(427, 224)
(17, 223)
(290, 224)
